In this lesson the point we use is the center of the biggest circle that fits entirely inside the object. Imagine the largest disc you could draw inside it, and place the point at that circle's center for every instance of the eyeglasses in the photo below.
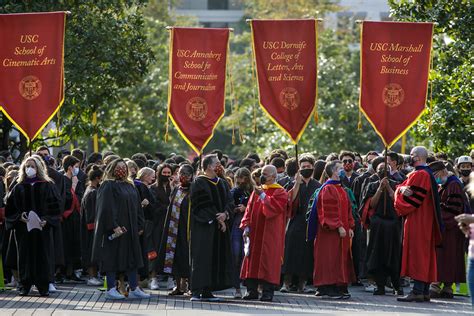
(346, 161)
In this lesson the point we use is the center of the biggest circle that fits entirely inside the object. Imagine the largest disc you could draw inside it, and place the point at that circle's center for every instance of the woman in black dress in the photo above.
(33, 199)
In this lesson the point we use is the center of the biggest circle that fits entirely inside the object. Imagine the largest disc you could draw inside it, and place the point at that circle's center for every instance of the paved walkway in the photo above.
(83, 300)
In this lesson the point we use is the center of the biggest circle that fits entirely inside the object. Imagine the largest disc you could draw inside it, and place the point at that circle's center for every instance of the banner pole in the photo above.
(385, 176)
(296, 153)
(404, 143)
(95, 138)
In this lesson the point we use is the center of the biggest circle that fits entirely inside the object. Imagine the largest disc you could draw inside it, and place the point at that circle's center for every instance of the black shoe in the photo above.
(426, 298)
(252, 295)
(412, 298)
(358, 283)
(73, 279)
(24, 291)
(294, 288)
(379, 291)
(266, 298)
(207, 296)
(446, 295)
(58, 279)
(44, 294)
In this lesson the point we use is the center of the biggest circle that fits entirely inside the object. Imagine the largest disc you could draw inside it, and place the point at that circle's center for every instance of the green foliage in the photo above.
(106, 50)
(451, 78)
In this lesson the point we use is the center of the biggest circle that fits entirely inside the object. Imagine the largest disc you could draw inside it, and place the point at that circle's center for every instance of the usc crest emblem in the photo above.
(289, 98)
(196, 108)
(30, 87)
(393, 95)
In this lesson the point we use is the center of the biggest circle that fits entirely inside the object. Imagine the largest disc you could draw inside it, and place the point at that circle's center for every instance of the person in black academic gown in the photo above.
(161, 191)
(118, 226)
(88, 212)
(34, 191)
(60, 183)
(173, 255)
(211, 256)
(298, 258)
(71, 219)
(145, 177)
(385, 244)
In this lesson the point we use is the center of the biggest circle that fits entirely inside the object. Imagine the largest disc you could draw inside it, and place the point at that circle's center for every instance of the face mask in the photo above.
(75, 171)
(120, 172)
(441, 180)
(370, 168)
(412, 160)
(219, 170)
(263, 180)
(342, 173)
(465, 172)
(164, 178)
(306, 173)
(30, 172)
(184, 181)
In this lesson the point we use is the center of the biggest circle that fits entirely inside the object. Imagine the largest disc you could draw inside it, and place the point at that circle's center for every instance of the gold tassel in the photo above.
(316, 115)
(167, 126)
(431, 96)
(233, 134)
(58, 124)
(359, 124)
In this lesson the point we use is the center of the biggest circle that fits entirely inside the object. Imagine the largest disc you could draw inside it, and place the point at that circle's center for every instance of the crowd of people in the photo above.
(300, 224)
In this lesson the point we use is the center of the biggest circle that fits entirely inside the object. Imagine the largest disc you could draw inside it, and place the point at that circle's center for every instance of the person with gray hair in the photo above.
(264, 224)
(417, 200)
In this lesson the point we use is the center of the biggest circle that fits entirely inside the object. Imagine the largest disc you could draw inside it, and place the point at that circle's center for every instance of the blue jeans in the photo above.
(420, 287)
(132, 279)
(237, 252)
(470, 278)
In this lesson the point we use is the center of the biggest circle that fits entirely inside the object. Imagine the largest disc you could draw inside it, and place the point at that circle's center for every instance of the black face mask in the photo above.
(465, 172)
(306, 173)
(263, 180)
(164, 178)
(411, 161)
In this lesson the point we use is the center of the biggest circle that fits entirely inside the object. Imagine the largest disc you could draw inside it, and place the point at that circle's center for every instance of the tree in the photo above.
(338, 77)
(451, 118)
(106, 50)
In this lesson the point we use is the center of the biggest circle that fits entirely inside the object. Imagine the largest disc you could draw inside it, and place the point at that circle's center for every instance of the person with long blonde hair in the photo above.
(33, 199)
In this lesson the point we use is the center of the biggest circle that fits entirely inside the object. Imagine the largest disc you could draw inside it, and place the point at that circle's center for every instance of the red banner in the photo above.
(31, 69)
(285, 57)
(197, 82)
(395, 62)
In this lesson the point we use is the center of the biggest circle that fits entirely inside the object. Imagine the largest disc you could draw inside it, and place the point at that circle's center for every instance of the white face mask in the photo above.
(30, 172)
(75, 171)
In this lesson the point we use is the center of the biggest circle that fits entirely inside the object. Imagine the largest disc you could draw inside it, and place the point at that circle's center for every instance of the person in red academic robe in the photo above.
(417, 200)
(333, 267)
(450, 256)
(264, 224)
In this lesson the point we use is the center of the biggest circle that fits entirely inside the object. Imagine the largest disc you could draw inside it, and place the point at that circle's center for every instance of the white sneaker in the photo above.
(370, 288)
(52, 288)
(94, 282)
(154, 284)
(113, 294)
(138, 293)
(171, 284)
